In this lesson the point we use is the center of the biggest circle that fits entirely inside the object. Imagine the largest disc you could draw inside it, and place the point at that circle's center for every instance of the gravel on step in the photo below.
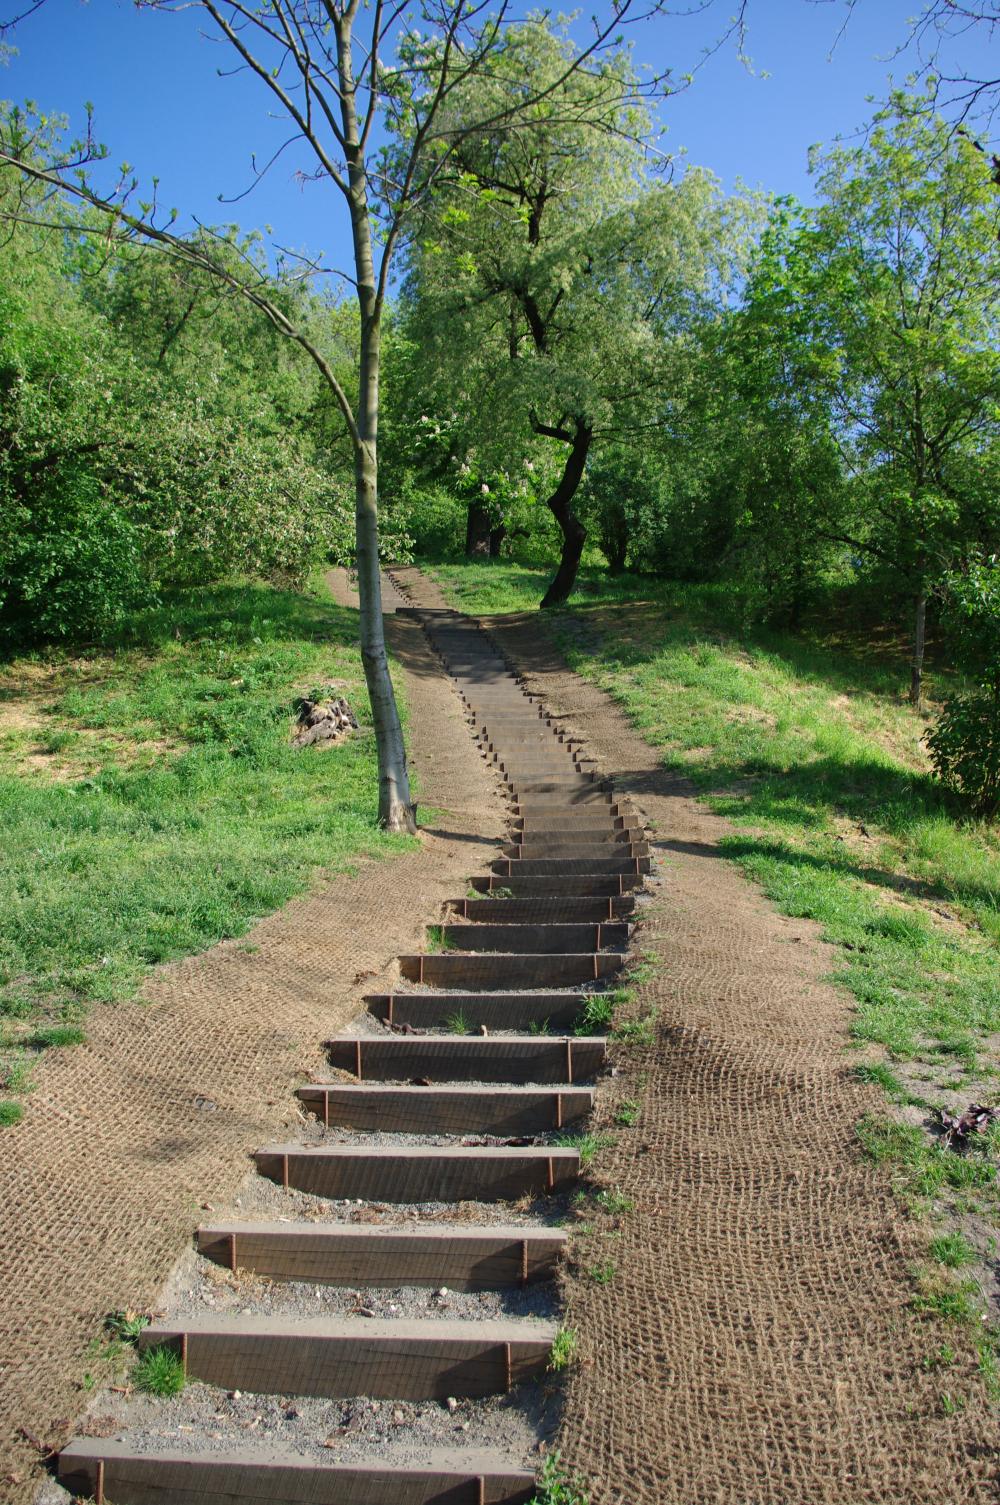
(198, 1287)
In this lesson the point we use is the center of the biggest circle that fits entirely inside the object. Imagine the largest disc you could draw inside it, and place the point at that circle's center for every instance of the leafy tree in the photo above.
(334, 69)
(550, 284)
(895, 279)
(124, 466)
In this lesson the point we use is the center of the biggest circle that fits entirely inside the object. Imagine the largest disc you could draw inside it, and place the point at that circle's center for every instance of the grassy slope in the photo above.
(817, 761)
(151, 804)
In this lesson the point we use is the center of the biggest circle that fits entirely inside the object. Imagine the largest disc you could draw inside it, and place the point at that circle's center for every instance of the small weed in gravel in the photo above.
(587, 1144)
(603, 1273)
(627, 1113)
(557, 1486)
(159, 1371)
(563, 1350)
(597, 1013)
(458, 1023)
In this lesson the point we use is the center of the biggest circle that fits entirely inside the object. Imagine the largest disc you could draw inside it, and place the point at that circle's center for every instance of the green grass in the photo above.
(597, 1013)
(588, 1145)
(152, 803)
(159, 1371)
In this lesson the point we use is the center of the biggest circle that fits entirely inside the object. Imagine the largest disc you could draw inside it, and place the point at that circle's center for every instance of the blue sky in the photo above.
(159, 102)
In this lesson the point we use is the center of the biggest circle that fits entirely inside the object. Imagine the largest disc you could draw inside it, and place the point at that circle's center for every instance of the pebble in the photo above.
(451, 1403)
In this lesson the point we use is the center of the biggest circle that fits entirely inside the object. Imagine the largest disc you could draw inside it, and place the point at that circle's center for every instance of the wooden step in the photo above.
(492, 1011)
(378, 1107)
(524, 886)
(575, 849)
(452, 1058)
(464, 1258)
(425, 1173)
(99, 1468)
(536, 939)
(575, 830)
(461, 969)
(554, 910)
(426, 1359)
(570, 867)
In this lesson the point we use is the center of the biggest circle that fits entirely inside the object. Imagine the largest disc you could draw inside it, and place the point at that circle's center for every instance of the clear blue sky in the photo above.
(160, 105)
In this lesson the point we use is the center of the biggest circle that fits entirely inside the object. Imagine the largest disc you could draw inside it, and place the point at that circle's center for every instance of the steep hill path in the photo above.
(756, 1342)
(127, 1136)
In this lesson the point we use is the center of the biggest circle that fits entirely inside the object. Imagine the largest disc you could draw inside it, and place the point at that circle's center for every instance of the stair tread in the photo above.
(402, 1329)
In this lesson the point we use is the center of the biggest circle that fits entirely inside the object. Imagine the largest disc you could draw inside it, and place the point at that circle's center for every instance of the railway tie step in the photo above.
(335, 1357)
(568, 867)
(464, 1258)
(97, 1468)
(423, 1173)
(546, 885)
(379, 1108)
(601, 935)
(519, 1058)
(471, 1013)
(555, 910)
(458, 969)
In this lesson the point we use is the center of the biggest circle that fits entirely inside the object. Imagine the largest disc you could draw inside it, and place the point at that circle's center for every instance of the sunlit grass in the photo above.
(178, 812)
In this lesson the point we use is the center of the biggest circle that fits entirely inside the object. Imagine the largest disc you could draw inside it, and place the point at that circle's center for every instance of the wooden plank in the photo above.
(524, 1058)
(556, 909)
(569, 867)
(546, 938)
(425, 1173)
(578, 851)
(492, 1011)
(174, 1476)
(348, 1254)
(337, 1357)
(375, 1107)
(544, 885)
(456, 969)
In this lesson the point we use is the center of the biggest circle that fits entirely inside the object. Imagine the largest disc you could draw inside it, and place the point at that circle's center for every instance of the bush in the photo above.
(964, 744)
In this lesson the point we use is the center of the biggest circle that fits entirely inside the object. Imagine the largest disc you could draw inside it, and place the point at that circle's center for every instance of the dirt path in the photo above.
(127, 1137)
(756, 1342)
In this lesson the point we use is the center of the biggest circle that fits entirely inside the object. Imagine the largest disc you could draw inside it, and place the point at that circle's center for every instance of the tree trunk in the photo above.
(497, 536)
(917, 665)
(560, 504)
(395, 808)
(477, 531)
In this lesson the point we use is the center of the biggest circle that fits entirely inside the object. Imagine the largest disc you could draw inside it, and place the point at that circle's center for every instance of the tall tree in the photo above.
(895, 280)
(335, 68)
(549, 280)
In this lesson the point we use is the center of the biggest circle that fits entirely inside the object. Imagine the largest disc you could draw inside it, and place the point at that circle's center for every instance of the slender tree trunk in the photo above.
(497, 536)
(395, 807)
(560, 504)
(919, 633)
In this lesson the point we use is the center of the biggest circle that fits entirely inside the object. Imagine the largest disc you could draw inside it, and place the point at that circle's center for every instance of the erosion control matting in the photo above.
(126, 1137)
(756, 1342)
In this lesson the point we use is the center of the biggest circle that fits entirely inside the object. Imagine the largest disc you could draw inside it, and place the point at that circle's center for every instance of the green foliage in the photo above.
(597, 1013)
(557, 1486)
(160, 1372)
(10, 1113)
(965, 742)
(563, 1350)
(151, 434)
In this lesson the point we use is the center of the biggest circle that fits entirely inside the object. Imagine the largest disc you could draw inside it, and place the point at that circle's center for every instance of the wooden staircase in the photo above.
(477, 1047)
